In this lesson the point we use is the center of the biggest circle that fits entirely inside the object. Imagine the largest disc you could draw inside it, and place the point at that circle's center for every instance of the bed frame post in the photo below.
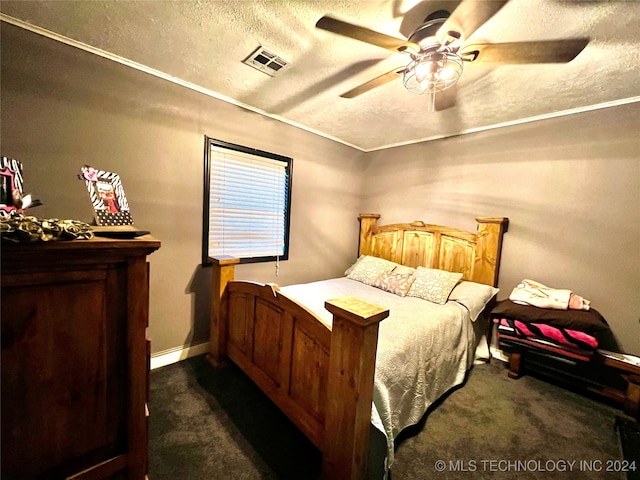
(223, 271)
(368, 223)
(490, 232)
(354, 342)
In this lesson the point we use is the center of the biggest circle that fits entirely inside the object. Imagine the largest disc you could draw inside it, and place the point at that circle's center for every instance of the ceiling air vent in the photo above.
(266, 61)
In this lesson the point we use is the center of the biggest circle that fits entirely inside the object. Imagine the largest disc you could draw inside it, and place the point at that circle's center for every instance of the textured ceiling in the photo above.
(201, 43)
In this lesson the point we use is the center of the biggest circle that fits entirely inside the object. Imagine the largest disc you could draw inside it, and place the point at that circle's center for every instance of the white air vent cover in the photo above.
(266, 61)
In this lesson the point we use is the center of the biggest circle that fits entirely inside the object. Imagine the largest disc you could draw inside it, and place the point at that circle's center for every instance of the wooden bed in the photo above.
(296, 359)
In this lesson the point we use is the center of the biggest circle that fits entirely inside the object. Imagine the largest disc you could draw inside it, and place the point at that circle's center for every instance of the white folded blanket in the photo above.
(530, 292)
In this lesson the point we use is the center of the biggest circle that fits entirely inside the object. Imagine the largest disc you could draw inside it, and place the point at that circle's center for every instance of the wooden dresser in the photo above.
(75, 359)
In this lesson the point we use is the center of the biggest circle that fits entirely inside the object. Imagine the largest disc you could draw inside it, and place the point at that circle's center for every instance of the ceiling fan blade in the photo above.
(376, 82)
(545, 51)
(468, 17)
(365, 35)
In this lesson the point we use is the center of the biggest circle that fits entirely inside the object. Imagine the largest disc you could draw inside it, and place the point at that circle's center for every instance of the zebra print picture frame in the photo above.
(10, 184)
(107, 196)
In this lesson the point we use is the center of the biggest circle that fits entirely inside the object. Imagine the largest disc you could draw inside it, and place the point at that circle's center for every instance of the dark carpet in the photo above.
(208, 423)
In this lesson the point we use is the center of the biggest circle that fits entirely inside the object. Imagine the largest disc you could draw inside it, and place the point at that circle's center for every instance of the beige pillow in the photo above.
(398, 283)
(433, 285)
(367, 269)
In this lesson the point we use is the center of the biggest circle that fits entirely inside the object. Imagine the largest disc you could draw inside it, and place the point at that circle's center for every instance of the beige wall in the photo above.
(570, 186)
(63, 108)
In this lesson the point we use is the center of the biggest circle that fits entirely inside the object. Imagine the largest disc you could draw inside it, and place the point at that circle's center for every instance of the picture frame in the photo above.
(107, 197)
(11, 182)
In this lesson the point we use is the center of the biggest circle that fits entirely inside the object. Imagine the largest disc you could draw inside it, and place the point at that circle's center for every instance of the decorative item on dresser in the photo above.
(317, 358)
(75, 359)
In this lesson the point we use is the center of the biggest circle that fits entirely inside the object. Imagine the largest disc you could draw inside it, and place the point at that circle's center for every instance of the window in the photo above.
(247, 202)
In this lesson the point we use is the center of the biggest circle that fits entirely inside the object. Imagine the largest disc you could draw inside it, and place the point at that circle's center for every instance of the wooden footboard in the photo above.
(321, 378)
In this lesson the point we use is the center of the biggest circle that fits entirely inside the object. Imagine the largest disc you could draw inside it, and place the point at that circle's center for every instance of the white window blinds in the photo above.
(248, 204)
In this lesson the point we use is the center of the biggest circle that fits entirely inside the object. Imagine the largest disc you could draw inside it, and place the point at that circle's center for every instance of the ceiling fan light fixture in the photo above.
(432, 72)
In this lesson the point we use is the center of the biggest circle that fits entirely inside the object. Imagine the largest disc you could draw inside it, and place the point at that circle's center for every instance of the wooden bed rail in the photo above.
(321, 378)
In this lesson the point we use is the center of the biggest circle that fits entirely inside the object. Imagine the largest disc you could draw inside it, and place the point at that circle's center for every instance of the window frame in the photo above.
(208, 144)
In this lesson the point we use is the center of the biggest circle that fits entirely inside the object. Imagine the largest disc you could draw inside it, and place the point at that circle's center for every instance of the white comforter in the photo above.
(424, 349)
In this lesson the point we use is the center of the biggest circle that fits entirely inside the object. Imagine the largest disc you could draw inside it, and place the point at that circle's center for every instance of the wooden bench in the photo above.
(583, 374)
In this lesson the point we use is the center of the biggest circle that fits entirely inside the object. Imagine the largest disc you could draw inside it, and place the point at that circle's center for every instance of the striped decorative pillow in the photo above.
(398, 283)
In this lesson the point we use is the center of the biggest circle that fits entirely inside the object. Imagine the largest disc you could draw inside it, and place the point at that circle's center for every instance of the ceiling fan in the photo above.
(438, 52)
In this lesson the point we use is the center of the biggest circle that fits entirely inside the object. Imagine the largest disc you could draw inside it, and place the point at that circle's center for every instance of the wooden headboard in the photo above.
(475, 255)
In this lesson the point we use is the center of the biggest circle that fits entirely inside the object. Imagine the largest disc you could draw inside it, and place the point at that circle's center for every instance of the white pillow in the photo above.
(350, 269)
(473, 296)
(433, 285)
(367, 269)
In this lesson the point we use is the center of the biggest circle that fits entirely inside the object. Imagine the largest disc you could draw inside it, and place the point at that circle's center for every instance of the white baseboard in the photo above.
(174, 355)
